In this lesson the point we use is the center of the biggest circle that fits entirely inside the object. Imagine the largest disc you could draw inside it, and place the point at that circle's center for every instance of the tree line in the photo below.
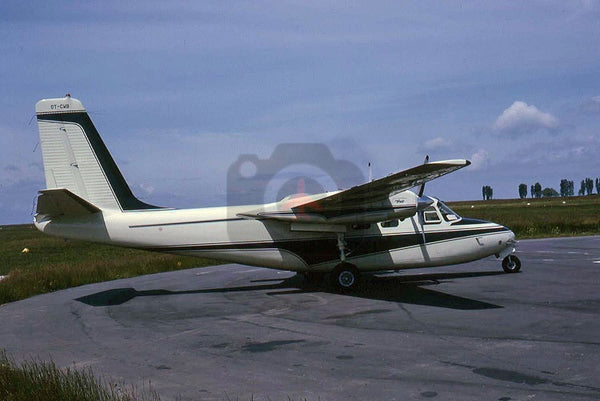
(567, 188)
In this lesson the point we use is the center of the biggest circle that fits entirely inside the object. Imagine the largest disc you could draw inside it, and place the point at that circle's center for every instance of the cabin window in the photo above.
(430, 216)
(389, 223)
(361, 226)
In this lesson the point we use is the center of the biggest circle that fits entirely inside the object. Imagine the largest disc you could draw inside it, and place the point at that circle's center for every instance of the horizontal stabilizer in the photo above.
(62, 202)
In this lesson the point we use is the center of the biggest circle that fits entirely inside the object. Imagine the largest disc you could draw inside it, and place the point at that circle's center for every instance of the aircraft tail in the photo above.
(77, 162)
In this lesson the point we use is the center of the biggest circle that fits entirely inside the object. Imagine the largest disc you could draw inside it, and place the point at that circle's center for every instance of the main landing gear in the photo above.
(345, 276)
(511, 264)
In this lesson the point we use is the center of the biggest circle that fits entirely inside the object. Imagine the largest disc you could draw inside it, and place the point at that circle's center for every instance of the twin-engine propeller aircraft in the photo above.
(379, 225)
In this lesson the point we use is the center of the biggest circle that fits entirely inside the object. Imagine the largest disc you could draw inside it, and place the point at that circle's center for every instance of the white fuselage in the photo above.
(220, 234)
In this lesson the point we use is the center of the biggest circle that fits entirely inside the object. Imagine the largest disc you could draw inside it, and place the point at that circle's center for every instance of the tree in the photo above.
(523, 191)
(589, 186)
(598, 186)
(564, 187)
(567, 188)
(532, 192)
(487, 192)
(582, 188)
(538, 190)
(549, 193)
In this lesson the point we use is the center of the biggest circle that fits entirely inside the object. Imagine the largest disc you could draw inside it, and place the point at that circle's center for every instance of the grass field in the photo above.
(54, 263)
(537, 218)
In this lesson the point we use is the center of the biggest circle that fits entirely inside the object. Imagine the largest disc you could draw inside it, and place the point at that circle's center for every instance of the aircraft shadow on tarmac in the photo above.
(402, 289)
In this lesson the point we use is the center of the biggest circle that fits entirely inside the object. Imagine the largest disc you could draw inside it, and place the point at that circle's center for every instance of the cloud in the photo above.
(577, 149)
(438, 143)
(479, 160)
(521, 118)
(148, 189)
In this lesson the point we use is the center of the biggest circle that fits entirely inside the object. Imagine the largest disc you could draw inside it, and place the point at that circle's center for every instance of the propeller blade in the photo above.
(422, 189)
(421, 223)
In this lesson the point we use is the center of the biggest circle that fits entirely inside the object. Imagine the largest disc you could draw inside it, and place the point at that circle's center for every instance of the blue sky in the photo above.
(179, 90)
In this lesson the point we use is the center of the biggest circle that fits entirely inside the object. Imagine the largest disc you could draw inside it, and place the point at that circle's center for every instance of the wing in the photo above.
(369, 202)
(373, 192)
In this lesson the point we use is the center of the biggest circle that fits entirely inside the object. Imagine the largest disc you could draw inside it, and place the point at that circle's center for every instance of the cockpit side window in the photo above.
(430, 216)
(447, 213)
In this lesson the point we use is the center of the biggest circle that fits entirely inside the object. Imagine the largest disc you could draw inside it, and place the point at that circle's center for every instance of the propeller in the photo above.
(422, 205)
(422, 189)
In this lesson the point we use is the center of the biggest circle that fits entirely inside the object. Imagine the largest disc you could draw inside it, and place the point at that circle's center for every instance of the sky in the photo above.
(181, 91)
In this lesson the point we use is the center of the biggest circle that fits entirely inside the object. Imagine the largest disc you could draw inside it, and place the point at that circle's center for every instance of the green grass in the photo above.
(33, 380)
(54, 263)
(537, 218)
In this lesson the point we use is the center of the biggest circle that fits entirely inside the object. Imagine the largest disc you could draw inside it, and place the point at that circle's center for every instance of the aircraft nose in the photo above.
(511, 235)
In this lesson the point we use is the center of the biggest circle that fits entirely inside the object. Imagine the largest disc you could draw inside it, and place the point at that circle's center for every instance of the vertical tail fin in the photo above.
(76, 159)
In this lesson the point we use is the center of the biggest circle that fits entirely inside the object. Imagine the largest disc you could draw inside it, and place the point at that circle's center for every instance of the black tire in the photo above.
(511, 264)
(346, 277)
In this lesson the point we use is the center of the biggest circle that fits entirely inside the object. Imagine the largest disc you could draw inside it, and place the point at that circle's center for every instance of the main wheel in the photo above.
(511, 264)
(346, 276)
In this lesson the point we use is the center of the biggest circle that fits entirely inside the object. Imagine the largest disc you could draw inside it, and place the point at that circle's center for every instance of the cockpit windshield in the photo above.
(449, 214)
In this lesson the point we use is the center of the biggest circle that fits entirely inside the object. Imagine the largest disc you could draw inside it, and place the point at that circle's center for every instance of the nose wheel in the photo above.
(511, 264)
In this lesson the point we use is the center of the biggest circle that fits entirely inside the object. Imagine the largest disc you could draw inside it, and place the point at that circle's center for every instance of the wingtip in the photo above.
(456, 162)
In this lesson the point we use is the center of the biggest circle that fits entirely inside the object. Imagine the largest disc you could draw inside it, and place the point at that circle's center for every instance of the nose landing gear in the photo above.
(511, 264)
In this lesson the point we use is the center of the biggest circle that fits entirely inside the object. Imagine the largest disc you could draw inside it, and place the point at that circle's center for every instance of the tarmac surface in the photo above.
(467, 332)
